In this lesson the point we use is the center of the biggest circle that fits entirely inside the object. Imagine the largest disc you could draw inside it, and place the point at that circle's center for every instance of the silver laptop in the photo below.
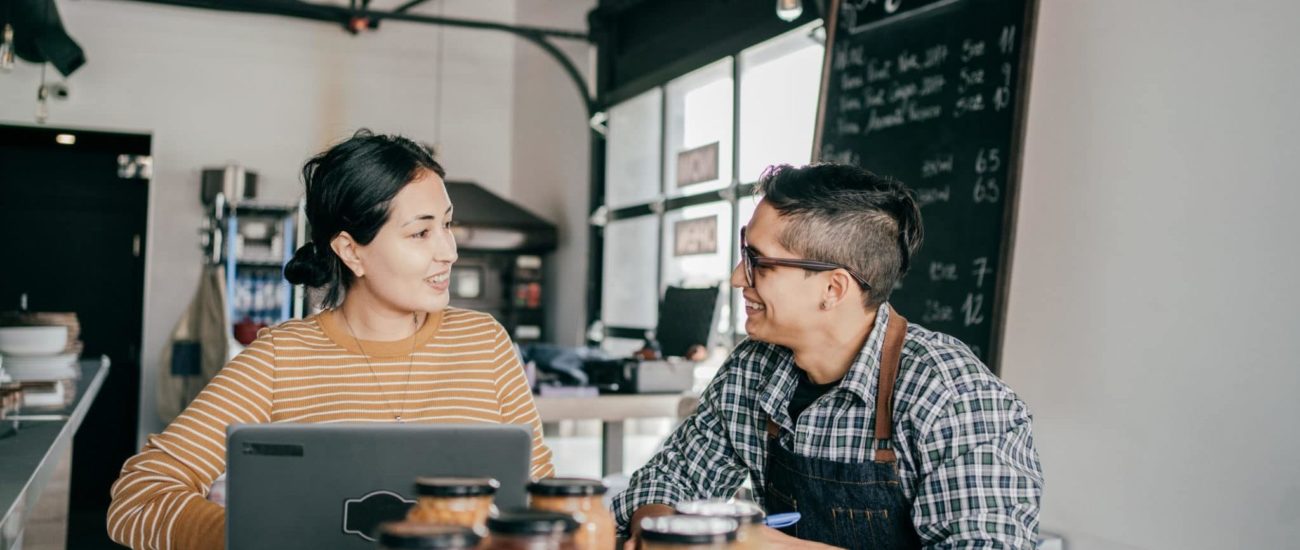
(315, 486)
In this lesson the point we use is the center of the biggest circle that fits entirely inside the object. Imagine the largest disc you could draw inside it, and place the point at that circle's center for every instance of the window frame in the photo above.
(666, 202)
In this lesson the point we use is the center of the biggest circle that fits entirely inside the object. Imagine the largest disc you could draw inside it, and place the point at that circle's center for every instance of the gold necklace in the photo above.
(406, 387)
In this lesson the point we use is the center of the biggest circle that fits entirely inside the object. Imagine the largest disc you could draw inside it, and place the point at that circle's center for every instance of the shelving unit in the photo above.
(253, 242)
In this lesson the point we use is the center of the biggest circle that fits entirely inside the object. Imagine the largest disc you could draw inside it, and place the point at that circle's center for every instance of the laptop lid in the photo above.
(686, 318)
(314, 486)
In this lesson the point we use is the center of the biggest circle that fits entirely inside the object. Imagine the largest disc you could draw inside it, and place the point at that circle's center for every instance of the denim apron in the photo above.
(842, 504)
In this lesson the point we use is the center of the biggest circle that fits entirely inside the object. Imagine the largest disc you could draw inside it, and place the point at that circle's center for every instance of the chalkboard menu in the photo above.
(932, 93)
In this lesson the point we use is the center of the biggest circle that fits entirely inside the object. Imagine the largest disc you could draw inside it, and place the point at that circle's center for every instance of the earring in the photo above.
(826, 305)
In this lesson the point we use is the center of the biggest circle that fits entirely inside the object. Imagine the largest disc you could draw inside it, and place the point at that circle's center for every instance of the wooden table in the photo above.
(612, 411)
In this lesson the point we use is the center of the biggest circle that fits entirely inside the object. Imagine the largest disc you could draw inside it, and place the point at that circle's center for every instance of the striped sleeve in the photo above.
(159, 500)
(516, 401)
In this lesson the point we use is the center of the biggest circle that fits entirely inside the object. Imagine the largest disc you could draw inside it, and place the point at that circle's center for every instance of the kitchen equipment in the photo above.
(253, 242)
(637, 376)
(686, 320)
(501, 269)
(235, 183)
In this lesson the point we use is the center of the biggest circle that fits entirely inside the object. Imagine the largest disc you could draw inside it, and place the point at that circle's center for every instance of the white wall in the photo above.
(552, 155)
(267, 92)
(1153, 312)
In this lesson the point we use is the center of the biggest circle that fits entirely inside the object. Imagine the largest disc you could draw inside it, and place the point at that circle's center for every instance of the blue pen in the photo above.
(780, 521)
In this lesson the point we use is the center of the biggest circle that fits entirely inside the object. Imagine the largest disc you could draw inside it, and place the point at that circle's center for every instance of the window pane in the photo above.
(697, 245)
(697, 251)
(745, 210)
(779, 83)
(628, 297)
(699, 115)
(632, 146)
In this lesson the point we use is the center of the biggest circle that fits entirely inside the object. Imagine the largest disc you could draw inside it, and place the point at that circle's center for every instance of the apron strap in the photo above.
(895, 334)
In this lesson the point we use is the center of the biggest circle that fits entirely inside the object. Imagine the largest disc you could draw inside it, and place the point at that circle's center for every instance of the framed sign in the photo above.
(697, 165)
(694, 237)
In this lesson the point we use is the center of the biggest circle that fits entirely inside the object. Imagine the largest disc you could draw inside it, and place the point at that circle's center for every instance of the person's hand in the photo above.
(647, 511)
(775, 539)
(697, 353)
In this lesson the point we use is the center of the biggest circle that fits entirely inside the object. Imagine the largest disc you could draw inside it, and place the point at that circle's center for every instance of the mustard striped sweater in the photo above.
(465, 370)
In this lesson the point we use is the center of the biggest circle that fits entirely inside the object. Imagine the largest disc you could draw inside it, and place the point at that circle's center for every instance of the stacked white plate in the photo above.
(37, 353)
(46, 394)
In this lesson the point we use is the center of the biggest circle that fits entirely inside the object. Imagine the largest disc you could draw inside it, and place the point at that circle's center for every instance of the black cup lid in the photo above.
(689, 529)
(567, 487)
(532, 522)
(740, 510)
(406, 534)
(455, 486)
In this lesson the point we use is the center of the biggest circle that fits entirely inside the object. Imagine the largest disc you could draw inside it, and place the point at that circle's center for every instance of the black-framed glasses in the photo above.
(750, 259)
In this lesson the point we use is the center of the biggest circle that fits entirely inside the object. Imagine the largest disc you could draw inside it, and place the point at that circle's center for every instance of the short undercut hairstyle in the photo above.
(843, 214)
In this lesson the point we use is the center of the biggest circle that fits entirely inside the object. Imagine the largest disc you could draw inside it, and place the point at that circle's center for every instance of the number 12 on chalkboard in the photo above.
(973, 309)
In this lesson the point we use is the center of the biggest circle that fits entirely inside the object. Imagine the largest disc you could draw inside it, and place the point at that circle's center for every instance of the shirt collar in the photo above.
(861, 378)
(781, 378)
(778, 382)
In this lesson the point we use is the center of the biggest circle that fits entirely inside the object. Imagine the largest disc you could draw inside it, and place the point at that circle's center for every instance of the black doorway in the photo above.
(74, 226)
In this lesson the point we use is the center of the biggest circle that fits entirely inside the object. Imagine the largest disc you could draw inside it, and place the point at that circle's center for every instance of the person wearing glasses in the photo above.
(878, 432)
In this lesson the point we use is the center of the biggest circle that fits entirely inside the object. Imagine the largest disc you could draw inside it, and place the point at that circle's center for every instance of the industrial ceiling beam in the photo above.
(407, 6)
(342, 14)
(347, 17)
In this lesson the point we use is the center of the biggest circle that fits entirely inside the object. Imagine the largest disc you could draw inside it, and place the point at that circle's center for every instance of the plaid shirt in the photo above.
(965, 449)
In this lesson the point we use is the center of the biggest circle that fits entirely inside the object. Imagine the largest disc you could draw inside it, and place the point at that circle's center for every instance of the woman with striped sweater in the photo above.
(387, 348)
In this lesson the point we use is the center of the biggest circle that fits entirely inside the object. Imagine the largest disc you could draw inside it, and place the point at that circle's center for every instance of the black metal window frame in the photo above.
(662, 206)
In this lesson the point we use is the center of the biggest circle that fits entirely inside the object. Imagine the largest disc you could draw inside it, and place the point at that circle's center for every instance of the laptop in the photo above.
(315, 486)
(687, 317)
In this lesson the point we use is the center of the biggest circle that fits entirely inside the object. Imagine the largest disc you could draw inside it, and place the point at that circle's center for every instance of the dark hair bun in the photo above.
(309, 267)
